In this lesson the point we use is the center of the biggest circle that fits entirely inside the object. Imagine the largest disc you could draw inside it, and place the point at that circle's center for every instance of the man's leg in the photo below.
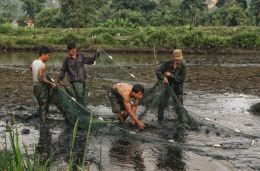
(116, 105)
(180, 98)
(164, 100)
(41, 93)
(79, 90)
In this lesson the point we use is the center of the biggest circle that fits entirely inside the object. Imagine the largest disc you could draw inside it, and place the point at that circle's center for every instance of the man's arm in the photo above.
(179, 78)
(134, 106)
(91, 60)
(42, 76)
(63, 70)
(128, 108)
(159, 72)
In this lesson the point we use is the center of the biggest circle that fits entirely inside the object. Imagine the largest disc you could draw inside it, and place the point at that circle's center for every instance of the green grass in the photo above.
(12, 159)
(133, 38)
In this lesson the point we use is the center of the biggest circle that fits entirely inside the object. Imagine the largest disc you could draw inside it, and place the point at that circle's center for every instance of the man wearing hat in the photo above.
(172, 73)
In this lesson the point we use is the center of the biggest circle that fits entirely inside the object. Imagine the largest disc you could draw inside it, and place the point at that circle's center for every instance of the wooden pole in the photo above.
(155, 56)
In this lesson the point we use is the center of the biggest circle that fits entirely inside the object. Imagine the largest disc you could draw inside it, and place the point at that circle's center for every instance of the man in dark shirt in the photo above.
(172, 73)
(74, 66)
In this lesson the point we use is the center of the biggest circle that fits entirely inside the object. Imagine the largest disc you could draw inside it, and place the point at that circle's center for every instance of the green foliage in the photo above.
(5, 28)
(193, 9)
(244, 40)
(46, 18)
(13, 159)
(231, 15)
(71, 37)
(7, 10)
(235, 16)
(32, 7)
(137, 37)
(159, 37)
(254, 11)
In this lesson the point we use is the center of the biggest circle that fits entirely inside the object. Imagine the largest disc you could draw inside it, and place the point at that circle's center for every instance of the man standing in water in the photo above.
(41, 84)
(74, 65)
(120, 95)
(173, 74)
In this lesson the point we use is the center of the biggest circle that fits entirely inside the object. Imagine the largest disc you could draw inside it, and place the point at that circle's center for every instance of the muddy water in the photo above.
(219, 88)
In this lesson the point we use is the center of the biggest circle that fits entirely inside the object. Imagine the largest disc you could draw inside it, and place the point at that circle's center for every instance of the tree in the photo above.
(236, 16)
(78, 13)
(229, 15)
(8, 10)
(254, 11)
(242, 3)
(46, 18)
(193, 9)
(32, 7)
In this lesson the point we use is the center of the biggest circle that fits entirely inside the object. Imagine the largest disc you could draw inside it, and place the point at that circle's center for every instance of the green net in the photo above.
(72, 109)
(161, 97)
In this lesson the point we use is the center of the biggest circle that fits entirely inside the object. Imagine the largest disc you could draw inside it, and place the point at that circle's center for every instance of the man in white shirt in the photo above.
(41, 84)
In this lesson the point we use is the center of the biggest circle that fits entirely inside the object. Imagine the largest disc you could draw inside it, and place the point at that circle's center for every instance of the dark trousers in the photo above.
(164, 102)
(41, 92)
(78, 91)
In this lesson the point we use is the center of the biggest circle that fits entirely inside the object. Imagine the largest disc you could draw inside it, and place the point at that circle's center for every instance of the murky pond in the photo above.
(209, 95)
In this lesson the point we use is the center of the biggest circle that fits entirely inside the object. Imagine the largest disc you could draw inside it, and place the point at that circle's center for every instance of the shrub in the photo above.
(159, 38)
(6, 28)
(244, 40)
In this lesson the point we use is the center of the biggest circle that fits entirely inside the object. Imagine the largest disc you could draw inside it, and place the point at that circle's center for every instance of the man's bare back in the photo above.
(124, 90)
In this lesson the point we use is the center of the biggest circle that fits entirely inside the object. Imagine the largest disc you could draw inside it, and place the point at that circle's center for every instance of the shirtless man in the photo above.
(120, 95)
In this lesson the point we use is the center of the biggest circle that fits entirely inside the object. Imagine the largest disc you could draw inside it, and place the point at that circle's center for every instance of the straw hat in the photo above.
(177, 54)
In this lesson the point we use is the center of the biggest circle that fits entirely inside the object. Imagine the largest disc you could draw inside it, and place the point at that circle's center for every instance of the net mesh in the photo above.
(71, 109)
(162, 96)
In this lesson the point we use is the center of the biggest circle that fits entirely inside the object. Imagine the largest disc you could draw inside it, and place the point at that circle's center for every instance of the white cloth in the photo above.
(36, 66)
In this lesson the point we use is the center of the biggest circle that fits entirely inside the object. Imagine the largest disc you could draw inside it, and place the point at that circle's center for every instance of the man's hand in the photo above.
(167, 74)
(165, 80)
(53, 85)
(61, 83)
(140, 125)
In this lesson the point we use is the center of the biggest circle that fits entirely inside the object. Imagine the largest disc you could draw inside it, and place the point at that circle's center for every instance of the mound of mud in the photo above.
(255, 109)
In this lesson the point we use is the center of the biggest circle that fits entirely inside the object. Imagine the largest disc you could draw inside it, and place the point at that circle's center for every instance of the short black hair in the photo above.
(71, 45)
(137, 88)
(44, 50)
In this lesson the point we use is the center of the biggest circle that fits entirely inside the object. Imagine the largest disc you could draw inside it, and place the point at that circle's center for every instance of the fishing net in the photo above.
(72, 109)
(161, 97)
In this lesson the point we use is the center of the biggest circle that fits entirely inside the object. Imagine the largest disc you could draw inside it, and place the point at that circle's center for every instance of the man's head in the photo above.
(177, 56)
(44, 53)
(138, 91)
(72, 49)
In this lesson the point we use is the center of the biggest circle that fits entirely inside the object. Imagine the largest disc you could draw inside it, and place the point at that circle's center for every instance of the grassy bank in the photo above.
(208, 39)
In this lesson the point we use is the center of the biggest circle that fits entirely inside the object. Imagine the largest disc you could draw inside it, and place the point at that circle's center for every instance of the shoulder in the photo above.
(81, 55)
(183, 65)
(34, 62)
(168, 62)
(66, 59)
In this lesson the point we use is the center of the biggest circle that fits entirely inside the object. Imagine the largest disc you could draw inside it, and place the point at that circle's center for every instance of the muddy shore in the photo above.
(239, 76)
(16, 85)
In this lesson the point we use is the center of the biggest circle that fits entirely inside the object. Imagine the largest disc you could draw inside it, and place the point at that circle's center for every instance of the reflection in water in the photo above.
(126, 152)
(63, 146)
(172, 158)
(44, 143)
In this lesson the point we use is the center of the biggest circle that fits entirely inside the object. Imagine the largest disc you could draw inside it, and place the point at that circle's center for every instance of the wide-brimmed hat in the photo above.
(177, 54)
